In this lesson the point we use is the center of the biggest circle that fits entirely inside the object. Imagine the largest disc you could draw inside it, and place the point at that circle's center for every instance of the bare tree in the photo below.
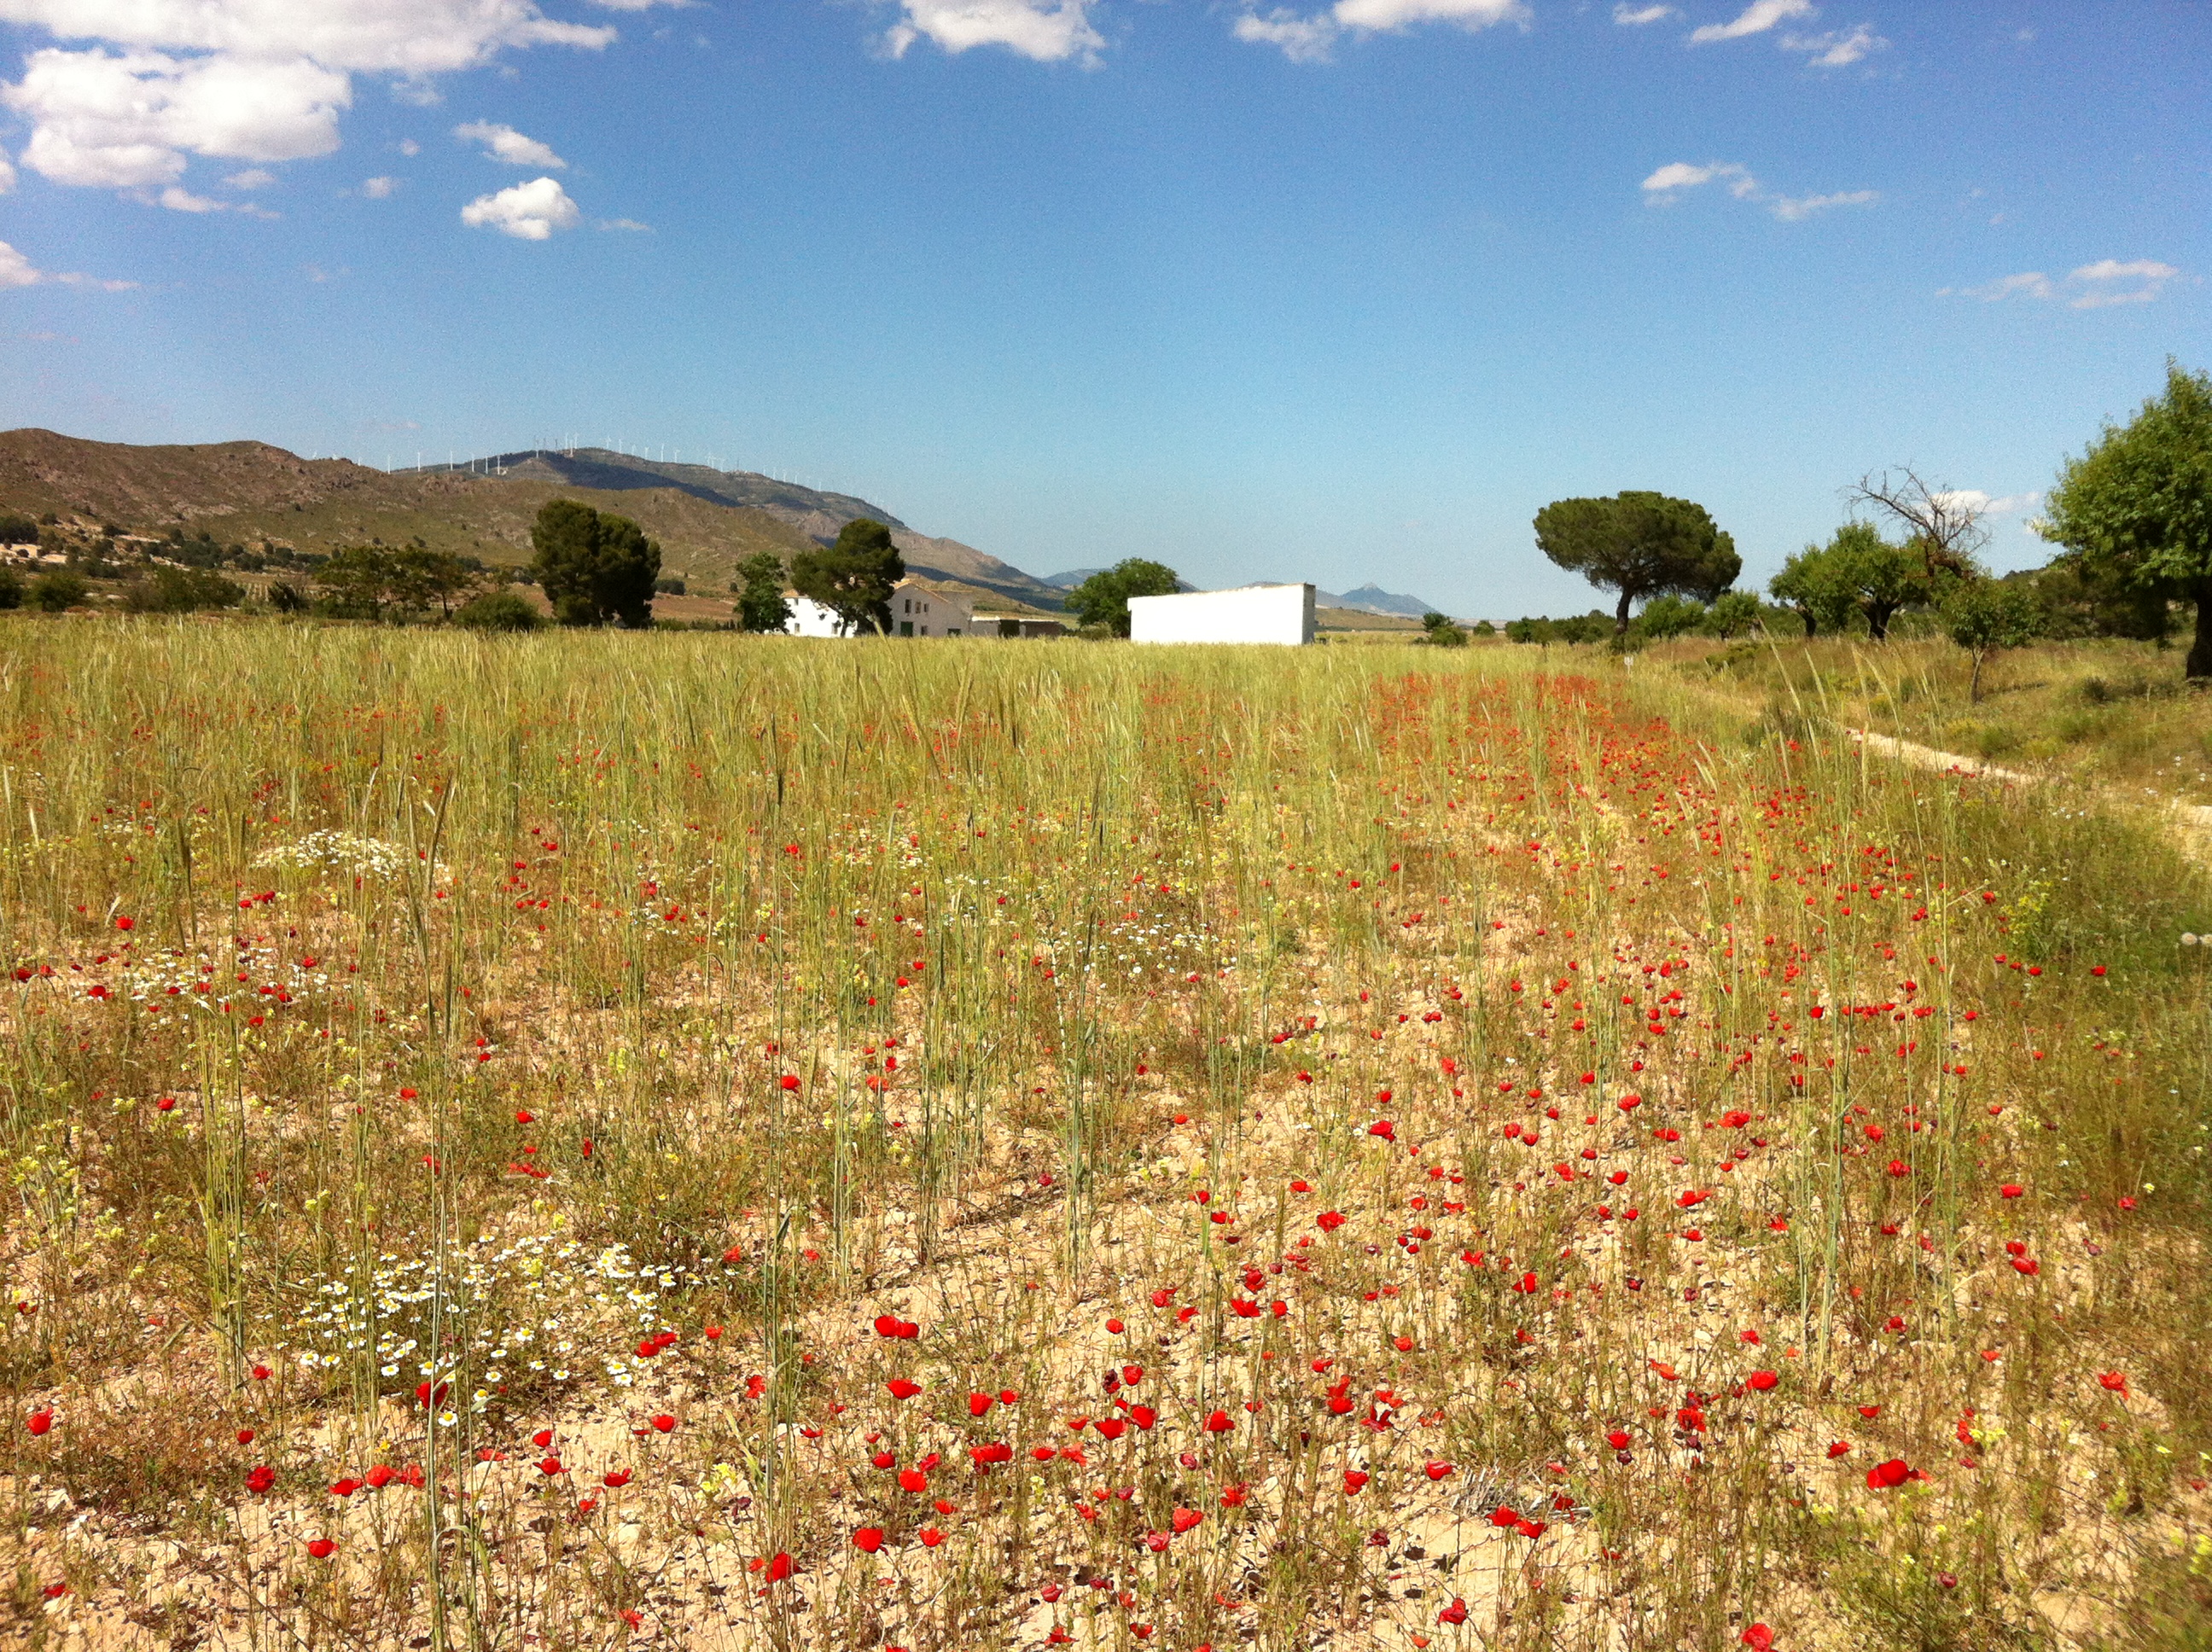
(1944, 524)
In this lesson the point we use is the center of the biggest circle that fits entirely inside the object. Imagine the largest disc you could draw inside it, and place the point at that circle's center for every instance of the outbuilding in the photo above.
(1250, 613)
(1016, 622)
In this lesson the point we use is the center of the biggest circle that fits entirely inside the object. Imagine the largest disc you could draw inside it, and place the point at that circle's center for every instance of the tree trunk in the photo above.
(1812, 622)
(1974, 683)
(1620, 614)
(2200, 651)
(1877, 618)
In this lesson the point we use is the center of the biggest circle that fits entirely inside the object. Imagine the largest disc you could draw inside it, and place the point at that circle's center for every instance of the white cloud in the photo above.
(7, 174)
(629, 225)
(2110, 281)
(1044, 31)
(252, 178)
(1632, 16)
(253, 80)
(530, 212)
(1301, 39)
(1665, 187)
(1662, 185)
(378, 189)
(2030, 283)
(178, 198)
(1791, 208)
(409, 38)
(505, 143)
(1376, 15)
(2093, 287)
(408, 146)
(1757, 18)
(1308, 40)
(125, 122)
(1836, 50)
(1974, 499)
(17, 270)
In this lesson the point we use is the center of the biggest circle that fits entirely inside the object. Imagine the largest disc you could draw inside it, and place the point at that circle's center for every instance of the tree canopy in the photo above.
(370, 582)
(1858, 571)
(1103, 599)
(1812, 583)
(758, 587)
(1640, 544)
(2138, 503)
(854, 577)
(594, 567)
(1982, 616)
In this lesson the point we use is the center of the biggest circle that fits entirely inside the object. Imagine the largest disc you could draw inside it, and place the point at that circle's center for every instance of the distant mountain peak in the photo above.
(1372, 598)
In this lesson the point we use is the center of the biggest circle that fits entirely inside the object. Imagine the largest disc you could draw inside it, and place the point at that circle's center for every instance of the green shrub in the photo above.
(58, 589)
(182, 591)
(499, 610)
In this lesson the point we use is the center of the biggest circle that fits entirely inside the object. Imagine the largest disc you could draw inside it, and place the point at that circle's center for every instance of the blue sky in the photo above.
(1337, 293)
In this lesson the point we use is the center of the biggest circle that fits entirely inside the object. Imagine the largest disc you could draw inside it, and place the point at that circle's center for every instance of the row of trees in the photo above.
(2133, 515)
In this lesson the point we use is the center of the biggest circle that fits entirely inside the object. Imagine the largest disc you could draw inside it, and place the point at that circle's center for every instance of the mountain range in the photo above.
(706, 520)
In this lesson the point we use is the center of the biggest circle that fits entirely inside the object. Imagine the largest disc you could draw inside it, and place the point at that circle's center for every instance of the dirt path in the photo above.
(2191, 821)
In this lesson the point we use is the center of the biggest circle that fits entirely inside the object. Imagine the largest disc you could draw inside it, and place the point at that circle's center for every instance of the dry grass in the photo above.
(602, 1032)
(2107, 711)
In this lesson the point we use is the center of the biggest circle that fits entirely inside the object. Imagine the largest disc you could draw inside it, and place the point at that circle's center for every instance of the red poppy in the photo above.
(1882, 1476)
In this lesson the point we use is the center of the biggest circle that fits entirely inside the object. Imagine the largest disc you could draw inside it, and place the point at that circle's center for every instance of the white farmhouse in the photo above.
(1251, 613)
(917, 610)
(923, 610)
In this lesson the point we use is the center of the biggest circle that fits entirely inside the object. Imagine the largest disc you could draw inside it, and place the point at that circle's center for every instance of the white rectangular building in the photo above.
(1251, 613)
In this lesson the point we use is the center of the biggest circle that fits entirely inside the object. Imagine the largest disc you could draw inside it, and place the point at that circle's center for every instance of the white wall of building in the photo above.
(1252, 613)
(917, 610)
(921, 610)
(809, 618)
